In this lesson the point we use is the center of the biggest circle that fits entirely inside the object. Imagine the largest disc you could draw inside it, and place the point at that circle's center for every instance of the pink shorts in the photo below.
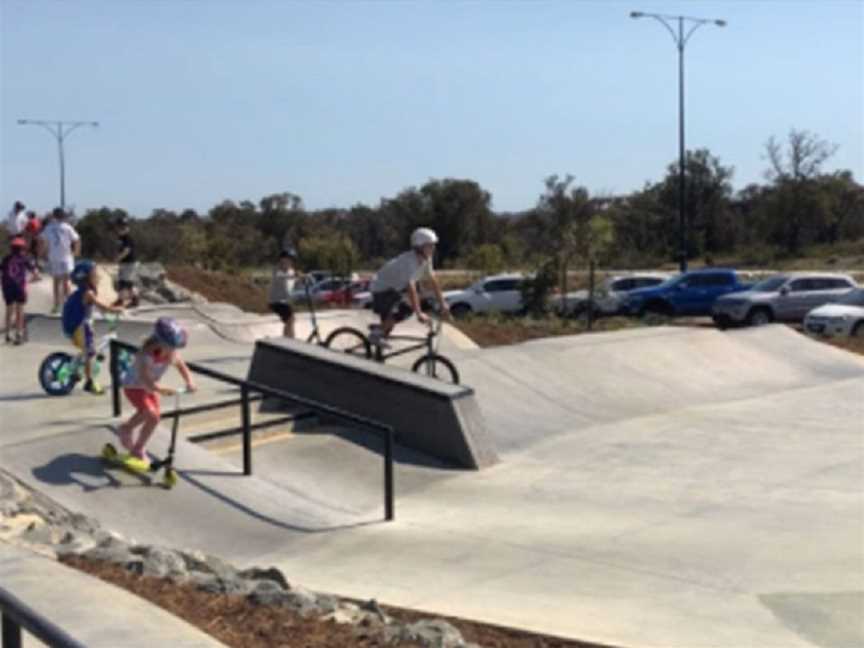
(144, 400)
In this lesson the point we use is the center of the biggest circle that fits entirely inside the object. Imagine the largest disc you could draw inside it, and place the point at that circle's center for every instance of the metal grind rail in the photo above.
(251, 391)
(17, 615)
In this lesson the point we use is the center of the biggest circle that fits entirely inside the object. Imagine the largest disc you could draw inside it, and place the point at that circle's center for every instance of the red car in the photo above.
(340, 292)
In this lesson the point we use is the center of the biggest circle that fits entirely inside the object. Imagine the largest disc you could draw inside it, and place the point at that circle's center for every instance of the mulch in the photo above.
(239, 623)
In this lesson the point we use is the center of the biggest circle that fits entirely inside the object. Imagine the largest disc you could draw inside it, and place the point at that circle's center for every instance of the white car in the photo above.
(608, 297)
(842, 318)
(497, 293)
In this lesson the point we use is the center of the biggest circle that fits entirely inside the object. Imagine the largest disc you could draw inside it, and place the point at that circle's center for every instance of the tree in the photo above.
(708, 191)
(793, 207)
(486, 259)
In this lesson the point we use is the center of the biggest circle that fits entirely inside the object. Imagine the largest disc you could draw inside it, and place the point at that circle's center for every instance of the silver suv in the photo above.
(608, 297)
(784, 297)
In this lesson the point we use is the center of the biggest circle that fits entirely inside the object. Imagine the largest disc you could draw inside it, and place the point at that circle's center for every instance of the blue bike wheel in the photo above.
(57, 374)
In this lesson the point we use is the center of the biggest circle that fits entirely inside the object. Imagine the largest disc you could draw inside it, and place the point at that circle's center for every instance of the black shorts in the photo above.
(283, 310)
(14, 294)
(390, 305)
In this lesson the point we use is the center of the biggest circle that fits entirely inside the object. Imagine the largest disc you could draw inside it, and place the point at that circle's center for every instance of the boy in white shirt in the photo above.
(401, 274)
(16, 220)
(60, 244)
(281, 287)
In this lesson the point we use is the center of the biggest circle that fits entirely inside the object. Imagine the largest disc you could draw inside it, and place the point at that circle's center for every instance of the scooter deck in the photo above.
(140, 469)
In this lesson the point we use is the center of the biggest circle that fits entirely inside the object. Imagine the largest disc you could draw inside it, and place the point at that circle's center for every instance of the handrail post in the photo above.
(388, 474)
(247, 430)
(115, 378)
(11, 633)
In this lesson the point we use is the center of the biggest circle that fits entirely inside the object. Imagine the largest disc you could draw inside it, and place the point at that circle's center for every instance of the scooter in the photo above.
(137, 467)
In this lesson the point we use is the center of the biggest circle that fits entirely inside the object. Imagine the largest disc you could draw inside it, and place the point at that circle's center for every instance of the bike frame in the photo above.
(429, 342)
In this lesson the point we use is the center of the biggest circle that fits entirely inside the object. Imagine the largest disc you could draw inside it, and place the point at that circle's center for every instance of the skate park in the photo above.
(663, 486)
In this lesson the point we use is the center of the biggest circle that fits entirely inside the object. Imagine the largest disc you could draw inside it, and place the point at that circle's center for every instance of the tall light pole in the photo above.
(680, 39)
(60, 130)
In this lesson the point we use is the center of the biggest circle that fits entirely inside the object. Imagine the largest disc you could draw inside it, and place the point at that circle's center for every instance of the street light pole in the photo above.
(56, 128)
(680, 39)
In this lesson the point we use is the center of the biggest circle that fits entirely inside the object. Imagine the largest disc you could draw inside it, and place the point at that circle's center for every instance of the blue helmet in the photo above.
(170, 333)
(81, 272)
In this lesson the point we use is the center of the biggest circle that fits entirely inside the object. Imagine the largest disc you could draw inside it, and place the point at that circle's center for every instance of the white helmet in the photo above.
(423, 235)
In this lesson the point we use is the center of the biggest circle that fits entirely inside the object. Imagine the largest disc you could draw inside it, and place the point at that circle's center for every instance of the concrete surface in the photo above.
(427, 415)
(77, 603)
(659, 487)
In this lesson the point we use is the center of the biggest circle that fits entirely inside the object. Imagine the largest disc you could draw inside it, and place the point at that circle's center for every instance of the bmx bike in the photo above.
(347, 339)
(61, 371)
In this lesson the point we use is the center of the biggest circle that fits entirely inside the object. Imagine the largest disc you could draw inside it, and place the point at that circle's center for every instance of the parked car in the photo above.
(345, 294)
(690, 293)
(498, 293)
(609, 296)
(783, 297)
(842, 318)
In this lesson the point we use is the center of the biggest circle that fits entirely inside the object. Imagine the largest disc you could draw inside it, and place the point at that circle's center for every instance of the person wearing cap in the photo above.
(399, 276)
(60, 244)
(127, 271)
(16, 220)
(14, 269)
(281, 287)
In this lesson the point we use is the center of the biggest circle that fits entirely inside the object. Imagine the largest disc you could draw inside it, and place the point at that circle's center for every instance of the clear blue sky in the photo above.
(348, 102)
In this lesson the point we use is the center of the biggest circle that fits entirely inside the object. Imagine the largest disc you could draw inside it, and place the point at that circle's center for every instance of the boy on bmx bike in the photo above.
(400, 275)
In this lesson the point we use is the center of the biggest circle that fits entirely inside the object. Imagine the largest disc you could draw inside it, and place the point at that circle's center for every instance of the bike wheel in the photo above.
(350, 341)
(438, 367)
(57, 374)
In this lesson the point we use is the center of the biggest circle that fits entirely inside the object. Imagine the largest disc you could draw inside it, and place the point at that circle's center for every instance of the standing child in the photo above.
(14, 268)
(281, 286)
(61, 244)
(78, 316)
(399, 275)
(142, 389)
(127, 272)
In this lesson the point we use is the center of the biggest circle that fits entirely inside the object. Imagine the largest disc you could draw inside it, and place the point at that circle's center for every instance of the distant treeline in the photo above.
(797, 207)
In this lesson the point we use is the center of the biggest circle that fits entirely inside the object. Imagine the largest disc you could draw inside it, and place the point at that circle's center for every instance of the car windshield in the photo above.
(853, 298)
(771, 284)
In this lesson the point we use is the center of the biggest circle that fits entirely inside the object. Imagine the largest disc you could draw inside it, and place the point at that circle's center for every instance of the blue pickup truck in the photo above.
(691, 293)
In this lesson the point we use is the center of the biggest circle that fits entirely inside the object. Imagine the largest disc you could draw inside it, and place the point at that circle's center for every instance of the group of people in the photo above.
(397, 279)
(59, 244)
(52, 244)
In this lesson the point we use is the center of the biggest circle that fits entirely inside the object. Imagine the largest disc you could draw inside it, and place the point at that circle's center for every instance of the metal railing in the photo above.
(251, 391)
(18, 615)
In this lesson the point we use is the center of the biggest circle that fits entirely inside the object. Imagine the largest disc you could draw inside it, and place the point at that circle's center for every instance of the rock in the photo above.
(271, 574)
(268, 592)
(209, 565)
(217, 585)
(151, 275)
(434, 633)
(153, 297)
(39, 534)
(162, 562)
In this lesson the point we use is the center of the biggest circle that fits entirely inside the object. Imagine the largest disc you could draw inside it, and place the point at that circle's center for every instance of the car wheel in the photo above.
(759, 317)
(858, 330)
(460, 310)
(721, 322)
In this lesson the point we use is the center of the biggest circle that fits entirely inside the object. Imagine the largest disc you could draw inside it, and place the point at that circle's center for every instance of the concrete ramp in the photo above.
(532, 391)
(428, 415)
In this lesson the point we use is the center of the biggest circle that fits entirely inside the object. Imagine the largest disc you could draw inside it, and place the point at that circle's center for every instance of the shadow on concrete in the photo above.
(247, 510)
(66, 470)
(11, 398)
(373, 443)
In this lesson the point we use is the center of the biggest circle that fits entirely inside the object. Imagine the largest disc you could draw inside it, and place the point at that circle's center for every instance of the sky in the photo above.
(348, 102)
